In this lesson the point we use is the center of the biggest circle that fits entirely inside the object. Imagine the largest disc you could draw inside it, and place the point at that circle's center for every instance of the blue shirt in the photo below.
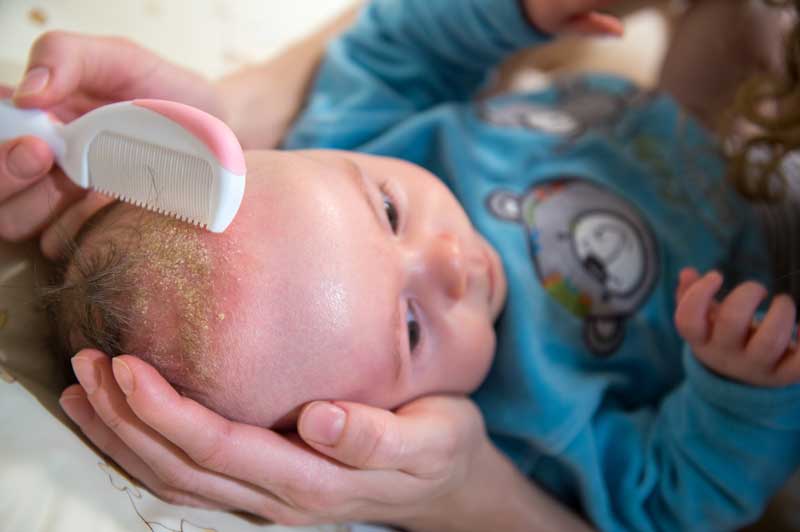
(595, 194)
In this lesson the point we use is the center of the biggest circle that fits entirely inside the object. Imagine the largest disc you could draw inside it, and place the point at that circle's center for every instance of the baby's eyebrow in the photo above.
(357, 178)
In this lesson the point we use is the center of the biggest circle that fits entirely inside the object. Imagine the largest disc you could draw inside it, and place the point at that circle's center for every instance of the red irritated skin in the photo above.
(343, 276)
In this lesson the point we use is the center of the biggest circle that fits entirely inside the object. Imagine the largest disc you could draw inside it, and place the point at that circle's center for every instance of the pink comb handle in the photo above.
(210, 130)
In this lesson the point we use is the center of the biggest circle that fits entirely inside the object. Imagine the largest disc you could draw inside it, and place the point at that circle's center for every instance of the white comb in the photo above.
(164, 156)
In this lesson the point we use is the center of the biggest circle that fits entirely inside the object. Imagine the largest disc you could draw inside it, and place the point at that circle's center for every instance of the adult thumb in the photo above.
(354, 434)
(418, 438)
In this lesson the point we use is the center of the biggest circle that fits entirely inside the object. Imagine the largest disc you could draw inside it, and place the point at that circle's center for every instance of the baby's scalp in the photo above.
(156, 294)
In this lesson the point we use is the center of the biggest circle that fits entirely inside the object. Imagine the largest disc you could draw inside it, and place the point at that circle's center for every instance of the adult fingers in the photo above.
(60, 63)
(27, 213)
(423, 438)
(308, 487)
(23, 161)
(56, 238)
(68, 66)
(251, 454)
(75, 404)
(169, 463)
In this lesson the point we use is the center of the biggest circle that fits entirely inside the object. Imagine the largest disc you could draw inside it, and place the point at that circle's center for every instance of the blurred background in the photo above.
(210, 36)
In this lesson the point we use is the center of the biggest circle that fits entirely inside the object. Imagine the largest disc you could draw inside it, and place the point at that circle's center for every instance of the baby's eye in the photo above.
(414, 330)
(391, 212)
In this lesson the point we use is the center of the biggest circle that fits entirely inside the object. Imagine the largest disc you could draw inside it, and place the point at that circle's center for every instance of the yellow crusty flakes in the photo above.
(38, 16)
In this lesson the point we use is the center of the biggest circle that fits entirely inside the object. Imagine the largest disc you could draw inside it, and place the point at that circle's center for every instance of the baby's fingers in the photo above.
(787, 371)
(773, 336)
(687, 278)
(734, 318)
(595, 24)
(692, 313)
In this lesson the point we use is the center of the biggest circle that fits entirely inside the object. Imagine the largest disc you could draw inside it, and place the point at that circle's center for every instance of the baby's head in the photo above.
(343, 276)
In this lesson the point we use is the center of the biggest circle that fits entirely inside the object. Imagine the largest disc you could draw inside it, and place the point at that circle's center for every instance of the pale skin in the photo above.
(726, 336)
(432, 444)
(302, 307)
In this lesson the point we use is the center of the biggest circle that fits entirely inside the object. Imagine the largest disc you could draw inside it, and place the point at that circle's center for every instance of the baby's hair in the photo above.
(769, 107)
(118, 282)
(84, 299)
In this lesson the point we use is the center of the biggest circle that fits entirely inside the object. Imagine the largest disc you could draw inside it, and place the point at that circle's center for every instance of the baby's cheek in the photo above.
(474, 351)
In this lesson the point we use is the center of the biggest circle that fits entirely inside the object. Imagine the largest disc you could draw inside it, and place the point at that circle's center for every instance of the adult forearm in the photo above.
(262, 100)
(497, 496)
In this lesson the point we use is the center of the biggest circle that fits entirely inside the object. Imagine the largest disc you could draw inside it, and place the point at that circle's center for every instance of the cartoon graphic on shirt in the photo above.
(578, 108)
(592, 251)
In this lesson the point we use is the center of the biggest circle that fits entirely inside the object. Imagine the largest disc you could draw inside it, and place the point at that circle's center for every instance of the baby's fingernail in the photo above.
(323, 423)
(87, 375)
(123, 375)
(77, 409)
(35, 81)
(22, 162)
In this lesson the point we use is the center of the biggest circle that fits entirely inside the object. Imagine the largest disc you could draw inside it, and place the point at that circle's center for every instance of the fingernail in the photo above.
(22, 162)
(323, 423)
(87, 375)
(35, 80)
(76, 408)
(123, 375)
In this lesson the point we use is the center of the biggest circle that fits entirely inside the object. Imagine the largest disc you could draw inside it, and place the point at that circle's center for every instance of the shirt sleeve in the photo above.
(709, 458)
(404, 57)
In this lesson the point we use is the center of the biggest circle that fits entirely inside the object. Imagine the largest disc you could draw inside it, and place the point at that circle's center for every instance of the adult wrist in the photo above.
(493, 496)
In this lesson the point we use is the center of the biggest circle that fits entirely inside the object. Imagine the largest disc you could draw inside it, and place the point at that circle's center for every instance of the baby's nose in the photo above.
(444, 263)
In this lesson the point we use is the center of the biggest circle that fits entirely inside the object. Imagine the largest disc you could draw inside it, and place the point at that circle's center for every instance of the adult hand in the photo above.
(70, 74)
(357, 462)
(573, 16)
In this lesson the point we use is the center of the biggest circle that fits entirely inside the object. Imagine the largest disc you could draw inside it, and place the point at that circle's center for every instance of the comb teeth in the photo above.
(159, 179)
(143, 205)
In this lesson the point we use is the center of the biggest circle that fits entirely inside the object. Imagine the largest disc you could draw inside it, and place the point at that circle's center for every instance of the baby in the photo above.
(308, 294)
(358, 277)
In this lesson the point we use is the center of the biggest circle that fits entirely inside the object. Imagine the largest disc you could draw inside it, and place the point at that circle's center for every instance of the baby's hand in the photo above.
(726, 337)
(572, 16)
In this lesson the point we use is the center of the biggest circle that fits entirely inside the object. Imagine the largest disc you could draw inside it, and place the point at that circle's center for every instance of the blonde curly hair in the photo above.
(768, 107)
